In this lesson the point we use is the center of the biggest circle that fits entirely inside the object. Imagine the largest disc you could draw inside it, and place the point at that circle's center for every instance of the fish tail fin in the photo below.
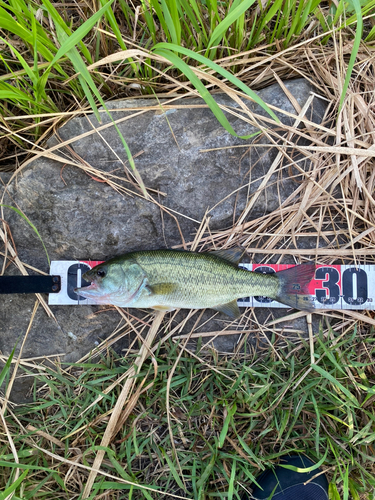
(294, 287)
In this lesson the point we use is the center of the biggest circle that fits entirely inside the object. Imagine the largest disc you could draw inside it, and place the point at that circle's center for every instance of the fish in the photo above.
(165, 280)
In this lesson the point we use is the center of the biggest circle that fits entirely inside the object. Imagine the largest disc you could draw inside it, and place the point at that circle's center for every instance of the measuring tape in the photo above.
(334, 287)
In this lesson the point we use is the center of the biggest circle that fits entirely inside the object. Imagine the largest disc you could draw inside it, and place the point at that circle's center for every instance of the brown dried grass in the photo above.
(342, 161)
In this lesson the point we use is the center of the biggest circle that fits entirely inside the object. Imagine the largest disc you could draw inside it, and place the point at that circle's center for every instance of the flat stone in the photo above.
(79, 217)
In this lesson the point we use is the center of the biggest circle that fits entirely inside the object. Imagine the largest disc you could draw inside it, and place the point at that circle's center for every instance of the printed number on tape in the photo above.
(334, 287)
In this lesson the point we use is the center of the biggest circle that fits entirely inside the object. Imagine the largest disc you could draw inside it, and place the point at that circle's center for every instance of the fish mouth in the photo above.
(87, 291)
(119, 297)
(94, 293)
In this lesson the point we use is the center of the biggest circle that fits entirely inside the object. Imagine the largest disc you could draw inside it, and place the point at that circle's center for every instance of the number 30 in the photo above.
(331, 277)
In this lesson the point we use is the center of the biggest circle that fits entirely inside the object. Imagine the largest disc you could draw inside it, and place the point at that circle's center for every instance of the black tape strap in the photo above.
(30, 284)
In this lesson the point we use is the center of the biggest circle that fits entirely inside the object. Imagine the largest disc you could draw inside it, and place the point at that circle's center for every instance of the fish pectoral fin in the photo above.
(162, 288)
(230, 309)
(232, 255)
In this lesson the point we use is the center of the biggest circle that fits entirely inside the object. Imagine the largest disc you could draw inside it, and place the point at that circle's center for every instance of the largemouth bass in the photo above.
(171, 279)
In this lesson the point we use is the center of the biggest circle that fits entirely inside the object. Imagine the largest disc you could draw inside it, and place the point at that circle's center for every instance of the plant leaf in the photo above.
(336, 383)
(307, 469)
(6, 493)
(356, 44)
(206, 96)
(30, 224)
(232, 16)
(5, 370)
(223, 72)
(79, 33)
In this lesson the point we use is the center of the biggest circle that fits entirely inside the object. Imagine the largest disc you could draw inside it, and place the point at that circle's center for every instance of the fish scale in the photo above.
(212, 276)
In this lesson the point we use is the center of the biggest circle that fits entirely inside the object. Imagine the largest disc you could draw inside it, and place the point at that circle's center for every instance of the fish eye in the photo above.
(100, 273)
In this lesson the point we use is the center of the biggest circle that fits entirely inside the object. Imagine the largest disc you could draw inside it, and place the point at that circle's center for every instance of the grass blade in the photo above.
(307, 469)
(8, 23)
(68, 48)
(173, 470)
(71, 41)
(353, 55)
(5, 494)
(13, 94)
(206, 96)
(191, 11)
(154, 4)
(232, 17)
(172, 20)
(232, 480)
(224, 430)
(60, 23)
(5, 370)
(24, 64)
(30, 224)
(166, 52)
(336, 384)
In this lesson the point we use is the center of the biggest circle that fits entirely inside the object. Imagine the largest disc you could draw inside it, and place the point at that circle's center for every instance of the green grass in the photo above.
(46, 70)
(45, 53)
(231, 418)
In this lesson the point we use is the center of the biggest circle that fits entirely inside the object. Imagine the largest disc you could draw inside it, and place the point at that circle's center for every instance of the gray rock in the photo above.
(81, 218)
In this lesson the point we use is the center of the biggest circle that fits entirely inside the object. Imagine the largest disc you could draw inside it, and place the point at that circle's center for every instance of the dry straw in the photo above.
(333, 200)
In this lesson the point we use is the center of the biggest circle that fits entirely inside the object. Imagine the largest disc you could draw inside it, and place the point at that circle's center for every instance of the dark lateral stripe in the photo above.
(30, 284)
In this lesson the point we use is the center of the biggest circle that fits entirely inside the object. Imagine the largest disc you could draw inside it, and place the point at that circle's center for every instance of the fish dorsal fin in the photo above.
(162, 288)
(230, 309)
(232, 255)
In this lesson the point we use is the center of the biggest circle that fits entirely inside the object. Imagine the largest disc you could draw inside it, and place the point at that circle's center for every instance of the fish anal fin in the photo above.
(230, 309)
(232, 255)
(163, 308)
